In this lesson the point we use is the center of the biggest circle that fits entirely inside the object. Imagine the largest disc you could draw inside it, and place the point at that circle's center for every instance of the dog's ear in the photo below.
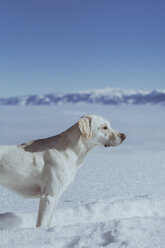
(85, 126)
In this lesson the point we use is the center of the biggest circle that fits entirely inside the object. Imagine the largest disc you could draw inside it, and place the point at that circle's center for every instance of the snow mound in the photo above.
(99, 211)
(114, 223)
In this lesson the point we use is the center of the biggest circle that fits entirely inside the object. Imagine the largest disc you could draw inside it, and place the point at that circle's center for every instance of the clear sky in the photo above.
(68, 45)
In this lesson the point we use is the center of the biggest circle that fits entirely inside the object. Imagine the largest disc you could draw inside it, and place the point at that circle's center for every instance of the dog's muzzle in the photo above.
(122, 136)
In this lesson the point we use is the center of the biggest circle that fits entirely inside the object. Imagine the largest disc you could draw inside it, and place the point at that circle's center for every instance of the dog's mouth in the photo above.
(107, 145)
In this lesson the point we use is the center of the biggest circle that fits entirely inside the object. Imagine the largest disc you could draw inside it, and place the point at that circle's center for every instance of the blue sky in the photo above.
(68, 45)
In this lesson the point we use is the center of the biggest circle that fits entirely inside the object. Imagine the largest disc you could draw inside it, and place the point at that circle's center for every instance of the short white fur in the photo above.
(44, 168)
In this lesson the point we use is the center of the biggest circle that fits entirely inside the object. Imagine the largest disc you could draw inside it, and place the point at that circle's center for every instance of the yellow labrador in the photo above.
(44, 168)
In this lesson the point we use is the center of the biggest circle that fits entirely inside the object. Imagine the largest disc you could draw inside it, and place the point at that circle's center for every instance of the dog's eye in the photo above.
(104, 127)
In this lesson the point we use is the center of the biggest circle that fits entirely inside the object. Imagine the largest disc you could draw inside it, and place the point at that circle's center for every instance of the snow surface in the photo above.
(118, 197)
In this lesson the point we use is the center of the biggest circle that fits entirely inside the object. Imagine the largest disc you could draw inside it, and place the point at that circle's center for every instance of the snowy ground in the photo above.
(118, 197)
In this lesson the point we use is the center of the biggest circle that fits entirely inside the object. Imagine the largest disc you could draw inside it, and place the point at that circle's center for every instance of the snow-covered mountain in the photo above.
(104, 96)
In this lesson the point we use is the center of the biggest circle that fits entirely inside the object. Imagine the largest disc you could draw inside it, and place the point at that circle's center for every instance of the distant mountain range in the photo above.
(104, 96)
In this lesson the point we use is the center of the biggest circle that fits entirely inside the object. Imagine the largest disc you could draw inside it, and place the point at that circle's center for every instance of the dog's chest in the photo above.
(74, 158)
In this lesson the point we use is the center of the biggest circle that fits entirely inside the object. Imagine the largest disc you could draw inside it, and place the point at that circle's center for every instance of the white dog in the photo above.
(44, 168)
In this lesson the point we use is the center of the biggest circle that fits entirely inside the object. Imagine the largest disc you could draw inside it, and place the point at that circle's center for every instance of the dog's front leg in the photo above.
(46, 208)
(51, 184)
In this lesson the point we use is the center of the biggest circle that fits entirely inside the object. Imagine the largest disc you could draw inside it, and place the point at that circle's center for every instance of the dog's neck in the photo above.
(77, 143)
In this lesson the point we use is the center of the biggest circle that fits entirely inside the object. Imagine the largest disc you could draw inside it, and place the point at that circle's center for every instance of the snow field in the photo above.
(118, 197)
(99, 211)
(114, 223)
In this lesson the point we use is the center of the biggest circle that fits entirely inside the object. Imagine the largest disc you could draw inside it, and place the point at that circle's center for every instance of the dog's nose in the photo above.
(123, 136)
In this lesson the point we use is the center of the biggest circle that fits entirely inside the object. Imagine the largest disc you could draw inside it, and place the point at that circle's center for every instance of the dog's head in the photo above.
(98, 131)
